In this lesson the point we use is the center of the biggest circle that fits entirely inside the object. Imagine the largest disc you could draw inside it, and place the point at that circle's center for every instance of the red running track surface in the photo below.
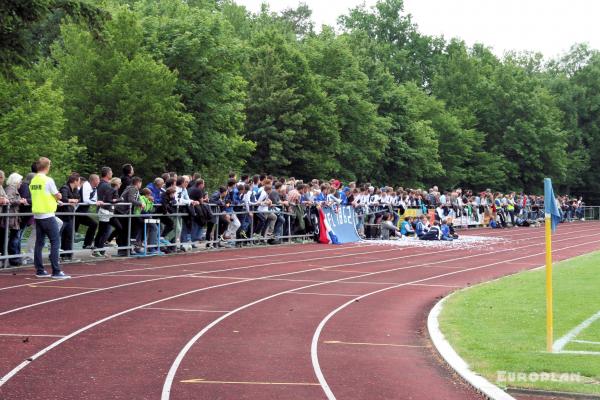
(293, 322)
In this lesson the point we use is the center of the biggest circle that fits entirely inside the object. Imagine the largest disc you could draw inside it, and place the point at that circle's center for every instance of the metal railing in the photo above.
(214, 238)
(366, 217)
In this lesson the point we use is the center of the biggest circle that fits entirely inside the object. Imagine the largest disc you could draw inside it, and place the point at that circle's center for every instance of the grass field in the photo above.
(500, 326)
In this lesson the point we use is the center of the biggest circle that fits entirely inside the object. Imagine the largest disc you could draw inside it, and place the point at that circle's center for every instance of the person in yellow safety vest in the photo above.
(44, 201)
(510, 208)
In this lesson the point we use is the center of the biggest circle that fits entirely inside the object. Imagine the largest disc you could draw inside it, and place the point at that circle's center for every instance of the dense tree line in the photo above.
(205, 85)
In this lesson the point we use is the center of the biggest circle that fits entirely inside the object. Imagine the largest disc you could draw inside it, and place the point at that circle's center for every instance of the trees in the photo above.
(289, 116)
(207, 85)
(361, 129)
(24, 23)
(31, 125)
(199, 44)
(119, 102)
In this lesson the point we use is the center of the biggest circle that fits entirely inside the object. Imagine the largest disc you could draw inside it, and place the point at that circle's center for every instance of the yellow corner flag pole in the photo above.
(549, 311)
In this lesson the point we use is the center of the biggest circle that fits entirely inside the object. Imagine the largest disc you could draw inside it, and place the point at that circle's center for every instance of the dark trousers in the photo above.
(168, 225)
(66, 237)
(91, 230)
(137, 228)
(3, 243)
(47, 227)
(209, 231)
(261, 226)
(278, 231)
(104, 231)
(14, 245)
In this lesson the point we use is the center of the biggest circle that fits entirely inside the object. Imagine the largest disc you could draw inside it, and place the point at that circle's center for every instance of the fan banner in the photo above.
(337, 225)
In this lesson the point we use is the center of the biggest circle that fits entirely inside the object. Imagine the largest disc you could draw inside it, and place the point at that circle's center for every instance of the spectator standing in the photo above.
(14, 223)
(131, 195)
(266, 219)
(156, 189)
(105, 195)
(89, 197)
(27, 221)
(168, 206)
(70, 198)
(126, 177)
(44, 197)
(151, 229)
(3, 203)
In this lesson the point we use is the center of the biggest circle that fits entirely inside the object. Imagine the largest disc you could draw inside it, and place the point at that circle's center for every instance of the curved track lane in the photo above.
(248, 322)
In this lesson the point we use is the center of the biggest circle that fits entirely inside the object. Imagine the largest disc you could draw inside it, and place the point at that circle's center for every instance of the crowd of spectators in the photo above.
(249, 208)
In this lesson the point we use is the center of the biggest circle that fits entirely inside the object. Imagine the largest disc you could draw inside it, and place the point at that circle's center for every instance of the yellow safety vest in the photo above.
(41, 202)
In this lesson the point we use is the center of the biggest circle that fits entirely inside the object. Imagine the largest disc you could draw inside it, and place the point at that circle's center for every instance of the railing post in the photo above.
(74, 223)
(217, 240)
(251, 216)
(5, 233)
(129, 231)
(289, 220)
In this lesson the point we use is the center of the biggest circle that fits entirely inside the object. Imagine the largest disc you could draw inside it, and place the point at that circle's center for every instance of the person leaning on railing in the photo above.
(3, 204)
(70, 198)
(89, 197)
(131, 197)
(146, 211)
(13, 223)
(168, 205)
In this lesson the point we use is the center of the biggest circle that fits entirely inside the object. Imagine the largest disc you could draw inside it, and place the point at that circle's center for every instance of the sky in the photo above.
(547, 26)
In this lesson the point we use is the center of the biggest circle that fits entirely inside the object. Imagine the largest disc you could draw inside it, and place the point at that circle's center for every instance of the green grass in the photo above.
(501, 325)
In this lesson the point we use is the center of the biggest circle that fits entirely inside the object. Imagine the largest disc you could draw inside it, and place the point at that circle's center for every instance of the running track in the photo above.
(290, 322)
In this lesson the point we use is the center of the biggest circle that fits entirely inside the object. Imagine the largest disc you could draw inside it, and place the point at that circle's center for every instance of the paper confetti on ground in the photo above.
(463, 242)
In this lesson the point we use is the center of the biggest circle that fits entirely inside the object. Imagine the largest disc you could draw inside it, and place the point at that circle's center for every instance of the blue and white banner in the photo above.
(337, 225)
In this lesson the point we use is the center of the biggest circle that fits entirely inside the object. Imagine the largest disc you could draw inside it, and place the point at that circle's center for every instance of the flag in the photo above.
(326, 234)
(550, 204)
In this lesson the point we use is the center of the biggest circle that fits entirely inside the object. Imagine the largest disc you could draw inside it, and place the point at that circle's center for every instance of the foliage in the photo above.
(31, 125)
(119, 101)
(207, 86)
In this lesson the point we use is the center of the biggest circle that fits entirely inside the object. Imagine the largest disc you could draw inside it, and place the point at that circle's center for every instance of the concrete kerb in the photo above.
(457, 362)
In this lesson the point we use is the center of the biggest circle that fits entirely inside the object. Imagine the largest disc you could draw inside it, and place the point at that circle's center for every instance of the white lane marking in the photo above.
(183, 310)
(434, 285)
(562, 342)
(166, 392)
(195, 274)
(590, 353)
(361, 245)
(324, 294)
(109, 273)
(43, 351)
(112, 273)
(374, 344)
(585, 341)
(26, 334)
(317, 334)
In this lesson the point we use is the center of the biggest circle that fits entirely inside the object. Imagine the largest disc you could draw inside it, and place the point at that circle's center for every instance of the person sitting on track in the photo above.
(406, 227)
(434, 233)
(445, 229)
(451, 229)
(388, 229)
(422, 226)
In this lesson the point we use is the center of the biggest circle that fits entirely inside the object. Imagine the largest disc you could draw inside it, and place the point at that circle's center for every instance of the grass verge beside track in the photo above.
(500, 326)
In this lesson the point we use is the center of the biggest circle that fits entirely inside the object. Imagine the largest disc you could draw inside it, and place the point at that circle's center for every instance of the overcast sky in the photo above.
(549, 26)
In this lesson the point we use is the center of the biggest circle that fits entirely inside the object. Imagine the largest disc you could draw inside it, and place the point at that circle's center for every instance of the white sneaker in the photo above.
(60, 275)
